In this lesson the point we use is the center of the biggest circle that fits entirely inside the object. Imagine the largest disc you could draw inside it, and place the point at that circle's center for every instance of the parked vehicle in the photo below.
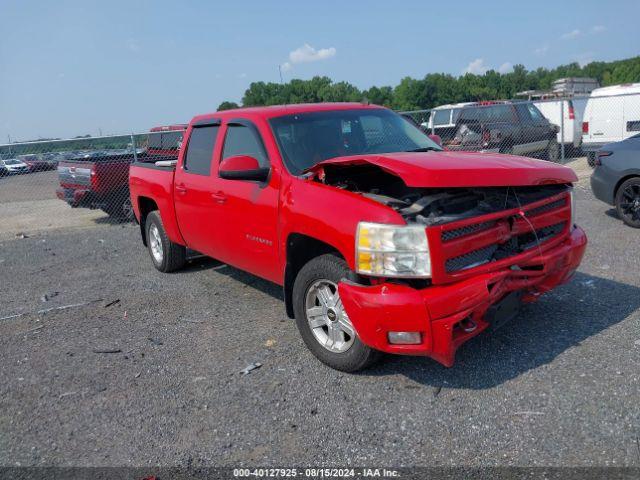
(13, 166)
(567, 116)
(505, 127)
(443, 120)
(616, 178)
(165, 140)
(100, 179)
(38, 163)
(611, 115)
(381, 240)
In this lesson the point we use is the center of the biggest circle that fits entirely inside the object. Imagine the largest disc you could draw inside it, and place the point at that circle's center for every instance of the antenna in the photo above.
(280, 72)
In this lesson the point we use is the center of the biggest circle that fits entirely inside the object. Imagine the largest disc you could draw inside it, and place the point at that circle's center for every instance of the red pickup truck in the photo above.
(382, 241)
(100, 179)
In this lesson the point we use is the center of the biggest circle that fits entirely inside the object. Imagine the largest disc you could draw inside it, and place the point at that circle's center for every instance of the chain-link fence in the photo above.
(553, 129)
(81, 181)
(75, 182)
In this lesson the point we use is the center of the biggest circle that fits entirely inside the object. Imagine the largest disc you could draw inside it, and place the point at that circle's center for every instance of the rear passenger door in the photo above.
(193, 187)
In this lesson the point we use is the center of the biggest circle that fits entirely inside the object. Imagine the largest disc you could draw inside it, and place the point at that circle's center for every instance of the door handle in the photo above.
(219, 197)
(181, 189)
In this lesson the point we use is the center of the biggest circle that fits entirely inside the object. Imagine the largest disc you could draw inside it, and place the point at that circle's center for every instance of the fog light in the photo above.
(404, 338)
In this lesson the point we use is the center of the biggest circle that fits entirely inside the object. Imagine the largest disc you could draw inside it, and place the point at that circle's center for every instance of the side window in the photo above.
(442, 117)
(155, 140)
(535, 113)
(503, 113)
(242, 140)
(171, 140)
(200, 149)
(633, 126)
(523, 113)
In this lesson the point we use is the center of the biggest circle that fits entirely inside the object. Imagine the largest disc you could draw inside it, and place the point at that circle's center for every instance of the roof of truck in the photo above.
(290, 109)
(616, 90)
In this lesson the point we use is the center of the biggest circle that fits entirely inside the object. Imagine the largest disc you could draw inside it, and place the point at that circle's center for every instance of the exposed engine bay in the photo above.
(432, 206)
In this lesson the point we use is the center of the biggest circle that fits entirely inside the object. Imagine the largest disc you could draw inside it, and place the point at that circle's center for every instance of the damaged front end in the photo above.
(487, 245)
(467, 227)
(433, 206)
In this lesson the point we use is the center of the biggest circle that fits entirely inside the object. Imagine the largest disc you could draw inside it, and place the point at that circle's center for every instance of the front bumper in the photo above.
(438, 311)
(18, 170)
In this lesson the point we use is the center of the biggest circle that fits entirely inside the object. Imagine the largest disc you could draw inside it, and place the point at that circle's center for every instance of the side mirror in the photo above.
(436, 138)
(242, 167)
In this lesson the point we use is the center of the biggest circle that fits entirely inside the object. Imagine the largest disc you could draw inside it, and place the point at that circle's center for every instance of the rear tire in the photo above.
(341, 350)
(591, 159)
(166, 256)
(118, 207)
(628, 202)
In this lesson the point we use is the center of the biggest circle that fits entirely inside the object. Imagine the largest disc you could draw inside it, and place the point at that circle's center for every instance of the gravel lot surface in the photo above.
(557, 386)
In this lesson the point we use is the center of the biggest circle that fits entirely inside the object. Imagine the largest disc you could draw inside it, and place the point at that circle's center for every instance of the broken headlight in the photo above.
(392, 250)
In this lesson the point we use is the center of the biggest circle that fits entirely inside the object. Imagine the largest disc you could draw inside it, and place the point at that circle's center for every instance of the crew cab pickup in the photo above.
(100, 179)
(382, 241)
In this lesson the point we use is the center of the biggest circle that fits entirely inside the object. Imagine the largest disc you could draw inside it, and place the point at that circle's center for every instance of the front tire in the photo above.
(321, 319)
(553, 151)
(166, 256)
(628, 202)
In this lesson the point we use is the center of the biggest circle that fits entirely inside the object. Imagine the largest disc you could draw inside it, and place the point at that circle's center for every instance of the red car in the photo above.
(382, 241)
(101, 179)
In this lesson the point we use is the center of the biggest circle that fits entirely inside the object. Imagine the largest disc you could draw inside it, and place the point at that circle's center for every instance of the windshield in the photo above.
(306, 139)
(12, 162)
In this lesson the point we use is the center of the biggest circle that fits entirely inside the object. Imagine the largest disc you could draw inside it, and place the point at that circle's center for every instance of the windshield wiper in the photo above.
(425, 149)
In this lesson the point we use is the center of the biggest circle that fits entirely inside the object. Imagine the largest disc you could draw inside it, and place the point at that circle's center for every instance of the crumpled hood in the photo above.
(460, 169)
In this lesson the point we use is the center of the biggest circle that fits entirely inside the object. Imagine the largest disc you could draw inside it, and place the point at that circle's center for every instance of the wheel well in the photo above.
(621, 181)
(146, 206)
(301, 249)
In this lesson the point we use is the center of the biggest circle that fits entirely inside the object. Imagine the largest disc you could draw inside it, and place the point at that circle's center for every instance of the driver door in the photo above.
(247, 220)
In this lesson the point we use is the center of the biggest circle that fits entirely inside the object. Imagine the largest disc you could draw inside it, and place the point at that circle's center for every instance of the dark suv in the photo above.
(507, 127)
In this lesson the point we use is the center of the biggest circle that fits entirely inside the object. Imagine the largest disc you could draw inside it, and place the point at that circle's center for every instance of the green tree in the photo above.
(227, 106)
(437, 88)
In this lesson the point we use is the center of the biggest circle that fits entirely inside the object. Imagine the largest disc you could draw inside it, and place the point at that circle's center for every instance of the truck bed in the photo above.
(149, 182)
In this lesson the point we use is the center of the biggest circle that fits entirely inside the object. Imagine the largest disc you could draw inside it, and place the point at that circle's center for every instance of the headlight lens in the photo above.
(392, 251)
(573, 209)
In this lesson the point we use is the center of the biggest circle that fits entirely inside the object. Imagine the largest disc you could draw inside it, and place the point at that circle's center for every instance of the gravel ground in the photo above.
(557, 386)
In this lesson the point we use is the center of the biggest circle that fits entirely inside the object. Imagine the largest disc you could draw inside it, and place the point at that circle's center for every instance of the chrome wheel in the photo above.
(327, 318)
(156, 243)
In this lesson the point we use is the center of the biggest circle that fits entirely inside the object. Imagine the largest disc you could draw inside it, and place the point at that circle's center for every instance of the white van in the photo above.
(612, 114)
(572, 110)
